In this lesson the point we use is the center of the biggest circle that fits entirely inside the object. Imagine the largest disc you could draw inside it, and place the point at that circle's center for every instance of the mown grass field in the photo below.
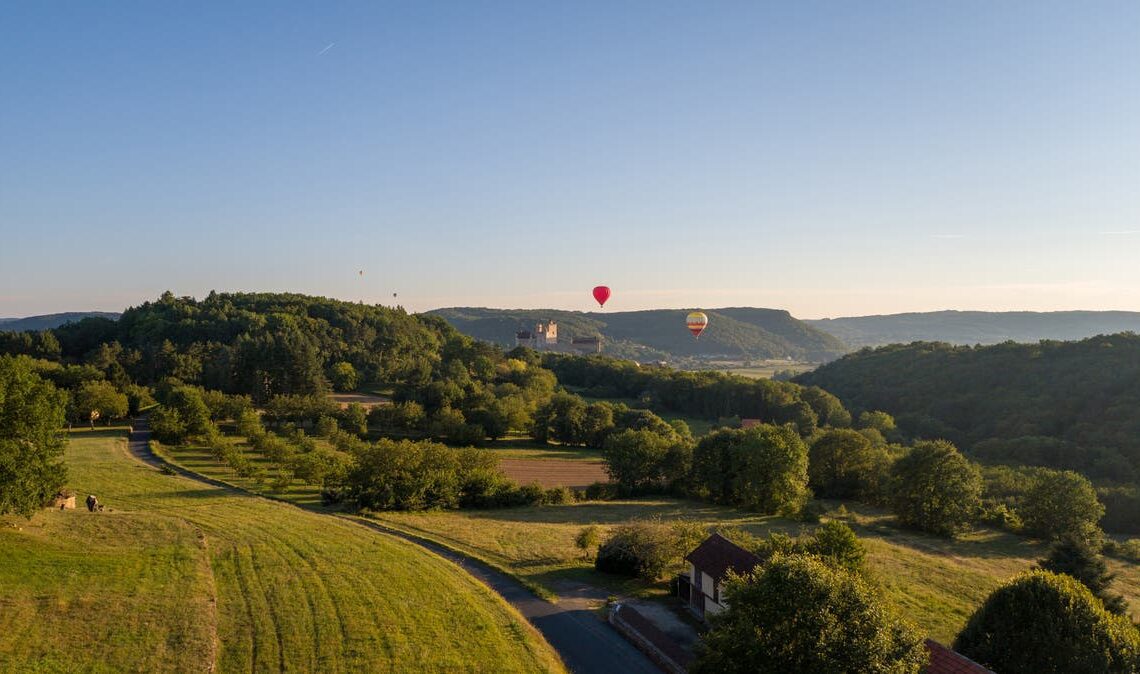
(182, 576)
(935, 583)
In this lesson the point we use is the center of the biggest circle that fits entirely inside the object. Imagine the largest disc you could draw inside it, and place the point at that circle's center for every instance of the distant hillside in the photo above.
(736, 332)
(51, 321)
(1062, 404)
(977, 327)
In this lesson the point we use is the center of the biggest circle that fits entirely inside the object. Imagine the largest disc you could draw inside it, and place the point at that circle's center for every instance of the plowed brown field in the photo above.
(554, 472)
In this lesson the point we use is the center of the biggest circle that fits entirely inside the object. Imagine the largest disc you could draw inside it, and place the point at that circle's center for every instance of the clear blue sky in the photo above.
(830, 158)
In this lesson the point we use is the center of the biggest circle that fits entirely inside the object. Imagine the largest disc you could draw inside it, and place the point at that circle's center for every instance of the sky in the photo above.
(828, 158)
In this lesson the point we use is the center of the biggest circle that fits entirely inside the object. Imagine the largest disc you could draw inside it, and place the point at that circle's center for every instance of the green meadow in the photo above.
(177, 575)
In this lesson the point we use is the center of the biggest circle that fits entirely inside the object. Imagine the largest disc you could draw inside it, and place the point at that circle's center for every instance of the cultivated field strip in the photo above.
(299, 591)
(554, 472)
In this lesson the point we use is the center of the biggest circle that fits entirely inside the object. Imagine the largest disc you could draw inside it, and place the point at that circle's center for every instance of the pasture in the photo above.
(182, 576)
(934, 582)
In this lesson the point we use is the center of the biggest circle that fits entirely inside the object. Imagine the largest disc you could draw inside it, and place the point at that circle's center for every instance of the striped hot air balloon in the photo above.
(696, 323)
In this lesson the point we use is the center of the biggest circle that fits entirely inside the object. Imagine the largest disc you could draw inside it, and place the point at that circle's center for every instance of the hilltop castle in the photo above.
(544, 337)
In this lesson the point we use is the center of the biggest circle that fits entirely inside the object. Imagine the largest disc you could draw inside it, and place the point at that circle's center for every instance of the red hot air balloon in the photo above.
(601, 294)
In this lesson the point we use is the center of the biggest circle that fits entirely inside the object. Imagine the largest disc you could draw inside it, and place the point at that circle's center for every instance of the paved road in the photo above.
(586, 643)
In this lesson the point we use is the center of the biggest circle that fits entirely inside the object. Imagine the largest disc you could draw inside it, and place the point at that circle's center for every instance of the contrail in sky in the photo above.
(330, 46)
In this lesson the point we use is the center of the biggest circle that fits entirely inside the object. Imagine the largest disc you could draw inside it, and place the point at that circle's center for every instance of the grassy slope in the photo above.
(115, 592)
(293, 588)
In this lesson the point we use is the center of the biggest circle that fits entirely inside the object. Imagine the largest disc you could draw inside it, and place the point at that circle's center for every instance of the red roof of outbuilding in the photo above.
(716, 555)
(945, 661)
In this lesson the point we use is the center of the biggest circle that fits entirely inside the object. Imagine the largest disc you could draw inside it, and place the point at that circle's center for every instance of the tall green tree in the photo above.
(1076, 556)
(797, 614)
(343, 376)
(762, 468)
(99, 399)
(935, 488)
(636, 459)
(1061, 504)
(32, 413)
(1046, 623)
(843, 463)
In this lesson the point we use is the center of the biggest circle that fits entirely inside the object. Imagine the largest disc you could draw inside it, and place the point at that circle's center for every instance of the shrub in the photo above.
(559, 496)
(531, 494)
(837, 545)
(588, 539)
(601, 491)
(1001, 516)
(796, 614)
(647, 549)
(1041, 623)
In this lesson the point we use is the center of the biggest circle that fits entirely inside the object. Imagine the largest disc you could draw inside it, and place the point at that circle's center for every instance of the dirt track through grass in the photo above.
(295, 590)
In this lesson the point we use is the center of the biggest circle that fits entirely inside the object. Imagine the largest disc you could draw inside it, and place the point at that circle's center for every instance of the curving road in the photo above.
(586, 643)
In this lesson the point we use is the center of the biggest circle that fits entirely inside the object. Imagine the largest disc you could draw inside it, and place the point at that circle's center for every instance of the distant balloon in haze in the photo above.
(696, 322)
(601, 294)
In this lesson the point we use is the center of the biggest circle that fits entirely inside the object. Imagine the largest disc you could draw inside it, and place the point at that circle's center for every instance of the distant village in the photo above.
(544, 337)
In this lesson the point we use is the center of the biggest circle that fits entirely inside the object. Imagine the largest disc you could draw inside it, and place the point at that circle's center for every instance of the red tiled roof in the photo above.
(945, 661)
(718, 554)
(750, 423)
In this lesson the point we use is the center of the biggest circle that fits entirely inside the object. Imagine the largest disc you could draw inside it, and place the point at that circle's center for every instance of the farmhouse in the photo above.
(709, 563)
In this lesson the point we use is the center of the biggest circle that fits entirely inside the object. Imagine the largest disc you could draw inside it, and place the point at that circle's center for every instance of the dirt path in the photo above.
(585, 642)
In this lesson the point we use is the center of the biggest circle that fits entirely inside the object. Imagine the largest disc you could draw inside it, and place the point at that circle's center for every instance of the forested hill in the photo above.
(1064, 404)
(51, 321)
(737, 332)
(976, 327)
(262, 344)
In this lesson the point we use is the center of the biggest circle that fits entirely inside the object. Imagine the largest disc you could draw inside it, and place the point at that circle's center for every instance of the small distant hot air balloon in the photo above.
(601, 294)
(696, 323)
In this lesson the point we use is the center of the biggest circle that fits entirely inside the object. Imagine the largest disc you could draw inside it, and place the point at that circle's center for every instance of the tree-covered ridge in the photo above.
(1063, 404)
(50, 321)
(737, 332)
(256, 343)
(976, 327)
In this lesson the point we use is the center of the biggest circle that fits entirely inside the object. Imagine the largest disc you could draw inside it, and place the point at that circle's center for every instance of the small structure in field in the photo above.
(64, 500)
(709, 563)
(750, 423)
